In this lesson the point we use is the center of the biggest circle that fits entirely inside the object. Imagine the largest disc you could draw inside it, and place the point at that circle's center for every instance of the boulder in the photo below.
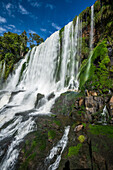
(51, 96)
(81, 102)
(38, 98)
(111, 106)
(78, 128)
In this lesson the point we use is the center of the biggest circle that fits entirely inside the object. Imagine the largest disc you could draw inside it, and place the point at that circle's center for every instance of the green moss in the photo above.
(95, 148)
(85, 45)
(97, 6)
(61, 34)
(53, 115)
(74, 20)
(81, 138)
(74, 150)
(57, 122)
(94, 72)
(25, 165)
(51, 134)
(84, 124)
(101, 130)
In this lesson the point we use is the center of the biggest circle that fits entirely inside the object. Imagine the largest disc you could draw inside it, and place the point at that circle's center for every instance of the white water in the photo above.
(92, 28)
(40, 75)
(91, 42)
(23, 128)
(58, 150)
(104, 116)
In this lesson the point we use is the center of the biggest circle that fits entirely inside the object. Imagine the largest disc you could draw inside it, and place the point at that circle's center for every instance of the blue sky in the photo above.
(39, 16)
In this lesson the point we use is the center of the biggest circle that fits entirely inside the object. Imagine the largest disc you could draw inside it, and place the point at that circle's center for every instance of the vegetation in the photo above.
(13, 47)
(98, 75)
(51, 134)
(74, 150)
(81, 138)
(101, 130)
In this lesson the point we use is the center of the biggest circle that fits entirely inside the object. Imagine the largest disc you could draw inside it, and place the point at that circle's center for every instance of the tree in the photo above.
(34, 40)
(13, 47)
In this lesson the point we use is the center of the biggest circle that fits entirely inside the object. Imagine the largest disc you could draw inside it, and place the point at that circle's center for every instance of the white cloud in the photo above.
(23, 10)
(2, 20)
(2, 30)
(10, 7)
(35, 4)
(50, 6)
(43, 30)
(17, 31)
(55, 26)
(10, 27)
(31, 31)
(13, 26)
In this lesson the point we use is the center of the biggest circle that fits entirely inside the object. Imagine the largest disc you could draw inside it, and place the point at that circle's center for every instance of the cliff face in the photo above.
(102, 57)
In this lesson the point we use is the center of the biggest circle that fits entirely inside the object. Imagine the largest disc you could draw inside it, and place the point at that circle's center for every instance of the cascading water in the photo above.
(48, 68)
(104, 116)
(91, 42)
(54, 151)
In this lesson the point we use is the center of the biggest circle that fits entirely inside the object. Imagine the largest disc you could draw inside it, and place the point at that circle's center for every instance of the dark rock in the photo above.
(110, 51)
(111, 106)
(39, 97)
(64, 104)
(93, 104)
(51, 96)
(78, 128)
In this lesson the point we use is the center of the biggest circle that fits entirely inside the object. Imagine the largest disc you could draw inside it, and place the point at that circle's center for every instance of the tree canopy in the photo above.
(13, 47)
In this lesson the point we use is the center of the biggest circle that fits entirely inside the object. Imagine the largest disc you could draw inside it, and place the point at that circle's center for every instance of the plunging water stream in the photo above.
(91, 42)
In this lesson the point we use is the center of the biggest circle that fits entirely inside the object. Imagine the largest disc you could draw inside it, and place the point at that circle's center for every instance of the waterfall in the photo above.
(76, 53)
(91, 42)
(104, 116)
(50, 68)
(92, 28)
(55, 150)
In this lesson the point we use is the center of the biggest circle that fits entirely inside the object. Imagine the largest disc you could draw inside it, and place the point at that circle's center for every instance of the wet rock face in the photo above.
(82, 108)
(64, 104)
(38, 99)
(94, 153)
(37, 145)
(110, 51)
(93, 104)
(111, 109)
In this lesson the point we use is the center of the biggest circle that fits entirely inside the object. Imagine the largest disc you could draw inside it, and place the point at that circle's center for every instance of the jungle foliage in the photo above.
(13, 47)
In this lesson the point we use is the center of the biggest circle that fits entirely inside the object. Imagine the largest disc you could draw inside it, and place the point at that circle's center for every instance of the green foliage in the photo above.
(94, 71)
(95, 148)
(51, 134)
(57, 122)
(81, 138)
(34, 39)
(97, 6)
(101, 130)
(74, 150)
(61, 34)
(85, 48)
(74, 20)
(84, 124)
(13, 47)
